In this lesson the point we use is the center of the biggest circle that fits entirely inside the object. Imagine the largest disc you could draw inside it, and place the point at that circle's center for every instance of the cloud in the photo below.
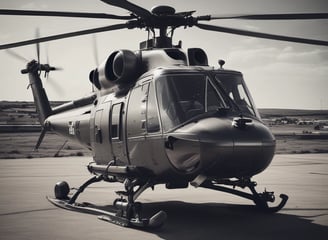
(251, 27)
(35, 5)
(4, 37)
(289, 77)
(263, 56)
(315, 56)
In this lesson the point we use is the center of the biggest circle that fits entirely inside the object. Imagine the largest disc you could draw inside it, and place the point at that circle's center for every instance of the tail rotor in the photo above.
(34, 69)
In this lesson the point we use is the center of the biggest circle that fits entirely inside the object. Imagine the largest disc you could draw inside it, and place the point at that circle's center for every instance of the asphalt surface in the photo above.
(192, 213)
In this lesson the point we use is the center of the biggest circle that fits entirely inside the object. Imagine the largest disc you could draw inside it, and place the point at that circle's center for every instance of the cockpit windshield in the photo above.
(185, 96)
(235, 87)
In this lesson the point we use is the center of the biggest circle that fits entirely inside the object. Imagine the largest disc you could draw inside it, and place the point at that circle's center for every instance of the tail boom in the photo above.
(40, 97)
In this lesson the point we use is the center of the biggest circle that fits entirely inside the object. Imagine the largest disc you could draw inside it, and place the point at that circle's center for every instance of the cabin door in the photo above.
(102, 152)
(116, 134)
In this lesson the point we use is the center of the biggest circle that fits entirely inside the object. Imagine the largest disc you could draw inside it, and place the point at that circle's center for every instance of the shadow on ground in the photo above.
(227, 221)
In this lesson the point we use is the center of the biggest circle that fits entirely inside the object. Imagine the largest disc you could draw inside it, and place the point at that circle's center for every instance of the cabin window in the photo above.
(116, 126)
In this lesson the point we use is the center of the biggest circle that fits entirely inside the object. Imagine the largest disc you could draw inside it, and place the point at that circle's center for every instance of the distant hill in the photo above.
(24, 112)
(19, 112)
(278, 113)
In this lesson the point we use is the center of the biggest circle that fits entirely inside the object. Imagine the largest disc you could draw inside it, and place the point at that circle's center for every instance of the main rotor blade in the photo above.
(65, 35)
(139, 11)
(261, 35)
(284, 16)
(62, 14)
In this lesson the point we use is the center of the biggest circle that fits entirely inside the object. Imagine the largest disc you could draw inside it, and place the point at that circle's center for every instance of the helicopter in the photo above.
(160, 114)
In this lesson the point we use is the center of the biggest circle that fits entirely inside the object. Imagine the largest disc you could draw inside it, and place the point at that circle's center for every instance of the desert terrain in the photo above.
(296, 131)
(193, 213)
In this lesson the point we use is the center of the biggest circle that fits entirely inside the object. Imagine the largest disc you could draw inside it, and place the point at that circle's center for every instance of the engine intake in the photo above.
(120, 67)
(197, 57)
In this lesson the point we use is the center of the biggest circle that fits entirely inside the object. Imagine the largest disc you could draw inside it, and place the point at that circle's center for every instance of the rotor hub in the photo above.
(162, 10)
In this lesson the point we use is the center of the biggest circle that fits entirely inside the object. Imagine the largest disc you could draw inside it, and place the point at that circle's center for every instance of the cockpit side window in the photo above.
(191, 96)
(181, 97)
(184, 96)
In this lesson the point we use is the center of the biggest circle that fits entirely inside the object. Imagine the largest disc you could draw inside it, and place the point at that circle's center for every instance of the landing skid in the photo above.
(155, 221)
(126, 211)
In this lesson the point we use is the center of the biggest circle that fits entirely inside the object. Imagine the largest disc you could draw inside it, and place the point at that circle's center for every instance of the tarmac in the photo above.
(193, 213)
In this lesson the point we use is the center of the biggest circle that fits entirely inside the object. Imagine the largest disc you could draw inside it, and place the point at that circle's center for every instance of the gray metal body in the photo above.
(118, 128)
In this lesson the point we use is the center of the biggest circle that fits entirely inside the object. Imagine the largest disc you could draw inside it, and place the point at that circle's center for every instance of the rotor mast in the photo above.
(159, 20)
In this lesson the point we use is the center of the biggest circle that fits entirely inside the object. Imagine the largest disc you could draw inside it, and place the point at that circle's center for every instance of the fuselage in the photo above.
(177, 123)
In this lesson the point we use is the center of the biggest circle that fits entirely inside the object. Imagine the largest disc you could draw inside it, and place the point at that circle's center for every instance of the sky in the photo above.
(278, 74)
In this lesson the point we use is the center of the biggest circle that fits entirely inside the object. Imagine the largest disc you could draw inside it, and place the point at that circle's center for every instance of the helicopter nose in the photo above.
(221, 147)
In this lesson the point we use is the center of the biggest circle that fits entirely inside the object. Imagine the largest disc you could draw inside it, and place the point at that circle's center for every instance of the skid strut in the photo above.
(260, 199)
(128, 212)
